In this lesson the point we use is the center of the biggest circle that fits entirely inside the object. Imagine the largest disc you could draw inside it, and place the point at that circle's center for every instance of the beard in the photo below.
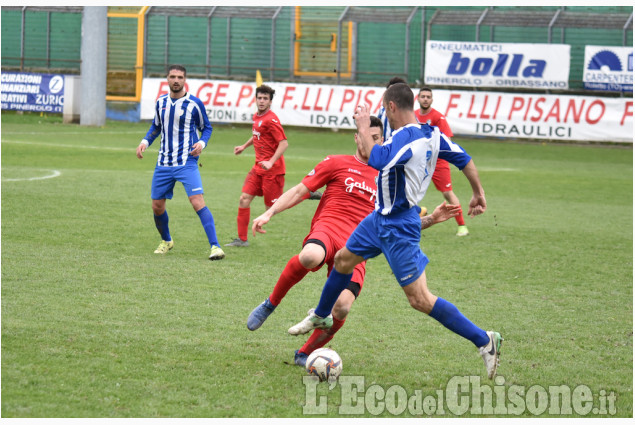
(176, 88)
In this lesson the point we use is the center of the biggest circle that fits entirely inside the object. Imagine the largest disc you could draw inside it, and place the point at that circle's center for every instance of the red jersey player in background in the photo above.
(349, 197)
(266, 177)
(441, 178)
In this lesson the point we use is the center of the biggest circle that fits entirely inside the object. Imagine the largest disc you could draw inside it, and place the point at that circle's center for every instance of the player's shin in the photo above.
(450, 317)
(207, 220)
(334, 285)
(320, 337)
(242, 222)
(293, 272)
(161, 222)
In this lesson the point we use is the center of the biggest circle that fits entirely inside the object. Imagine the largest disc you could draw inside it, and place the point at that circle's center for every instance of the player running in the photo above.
(349, 197)
(266, 177)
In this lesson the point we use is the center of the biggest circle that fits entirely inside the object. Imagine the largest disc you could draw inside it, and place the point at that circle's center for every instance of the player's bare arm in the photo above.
(239, 149)
(288, 199)
(440, 214)
(478, 205)
(282, 147)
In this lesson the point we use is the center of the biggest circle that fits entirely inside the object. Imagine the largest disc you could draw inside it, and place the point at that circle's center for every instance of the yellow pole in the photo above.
(298, 35)
(140, 50)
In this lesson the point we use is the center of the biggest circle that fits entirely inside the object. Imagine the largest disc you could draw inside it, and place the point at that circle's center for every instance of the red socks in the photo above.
(459, 219)
(243, 222)
(320, 337)
(293, 272)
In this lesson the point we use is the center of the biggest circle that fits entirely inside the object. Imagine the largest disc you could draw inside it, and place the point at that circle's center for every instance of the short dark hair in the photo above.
(178, 68)
(396, 80)
(266, 90)
(425, 88)
(401, 95)
(376, 122)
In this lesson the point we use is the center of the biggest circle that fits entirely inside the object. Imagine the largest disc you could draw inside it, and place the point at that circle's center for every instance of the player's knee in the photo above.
(344, 261)
(310, 259)
(244, 200)
(197, 202)
(341, 310)
(421, 302)
(158, 208)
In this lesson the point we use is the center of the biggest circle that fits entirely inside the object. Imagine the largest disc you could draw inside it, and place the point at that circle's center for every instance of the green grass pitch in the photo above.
(96, 325)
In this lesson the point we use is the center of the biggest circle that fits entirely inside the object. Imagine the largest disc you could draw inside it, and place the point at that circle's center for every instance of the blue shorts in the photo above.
(397, 237)
(164, 179)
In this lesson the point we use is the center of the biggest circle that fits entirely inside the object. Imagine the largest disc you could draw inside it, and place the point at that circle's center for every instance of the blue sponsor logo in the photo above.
(504, 65)
(606, 71)
(605, 60)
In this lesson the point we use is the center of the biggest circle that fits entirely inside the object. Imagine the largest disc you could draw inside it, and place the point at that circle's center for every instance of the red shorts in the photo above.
(331, 244)
(270, 186)
(441, 177)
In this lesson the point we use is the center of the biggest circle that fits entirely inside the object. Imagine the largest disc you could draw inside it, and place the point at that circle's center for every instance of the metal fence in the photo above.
(348, 45)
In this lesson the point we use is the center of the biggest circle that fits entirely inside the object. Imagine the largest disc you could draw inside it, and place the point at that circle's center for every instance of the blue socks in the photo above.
(161, 221)
(450, 317)
(208, 224)
(334, 285)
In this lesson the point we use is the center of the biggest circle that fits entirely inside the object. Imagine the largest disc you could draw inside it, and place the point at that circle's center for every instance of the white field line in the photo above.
(54, 173)
(215, 153)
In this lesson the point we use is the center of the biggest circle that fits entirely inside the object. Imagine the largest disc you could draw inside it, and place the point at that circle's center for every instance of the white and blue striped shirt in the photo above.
(178, 121)
(381, 114)
(406, 163)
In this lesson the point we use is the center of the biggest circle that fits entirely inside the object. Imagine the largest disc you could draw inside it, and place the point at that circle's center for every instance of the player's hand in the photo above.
(477, 205)
(445, 212)
(266, 165)
(198, 148)
(238, 149)
(141, 149)
(362, 116)
(258, 223)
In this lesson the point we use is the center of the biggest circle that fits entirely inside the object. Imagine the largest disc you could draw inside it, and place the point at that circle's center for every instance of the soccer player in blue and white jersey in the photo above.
(381, 114)
(405, 163)
(178, 118)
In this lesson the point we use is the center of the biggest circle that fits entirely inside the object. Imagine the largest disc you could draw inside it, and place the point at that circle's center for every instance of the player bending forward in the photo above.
(405, 164)
(349, 197)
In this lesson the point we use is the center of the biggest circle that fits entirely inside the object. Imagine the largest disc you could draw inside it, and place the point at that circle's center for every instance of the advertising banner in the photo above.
(608, 68)
(488, 114)
(513, 65)
(32, 92)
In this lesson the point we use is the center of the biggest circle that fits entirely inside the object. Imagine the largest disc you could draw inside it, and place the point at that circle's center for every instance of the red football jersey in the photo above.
(268, 133)
(435, 118)
(350, 192)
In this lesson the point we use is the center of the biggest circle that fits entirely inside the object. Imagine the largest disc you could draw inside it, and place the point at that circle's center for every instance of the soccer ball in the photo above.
(324, 363)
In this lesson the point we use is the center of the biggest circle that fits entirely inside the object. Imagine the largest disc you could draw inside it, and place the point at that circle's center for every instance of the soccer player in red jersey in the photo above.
(349, 197)
(441, 177)
(266, 177)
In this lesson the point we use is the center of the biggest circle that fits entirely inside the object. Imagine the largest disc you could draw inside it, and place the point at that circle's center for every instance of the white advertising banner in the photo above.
(513, 65)
(608, 68)
(489, 114)
(537, 116)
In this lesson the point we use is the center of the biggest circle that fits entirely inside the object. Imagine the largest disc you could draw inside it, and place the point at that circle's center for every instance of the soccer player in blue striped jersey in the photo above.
(178, 118)
(405, 163)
